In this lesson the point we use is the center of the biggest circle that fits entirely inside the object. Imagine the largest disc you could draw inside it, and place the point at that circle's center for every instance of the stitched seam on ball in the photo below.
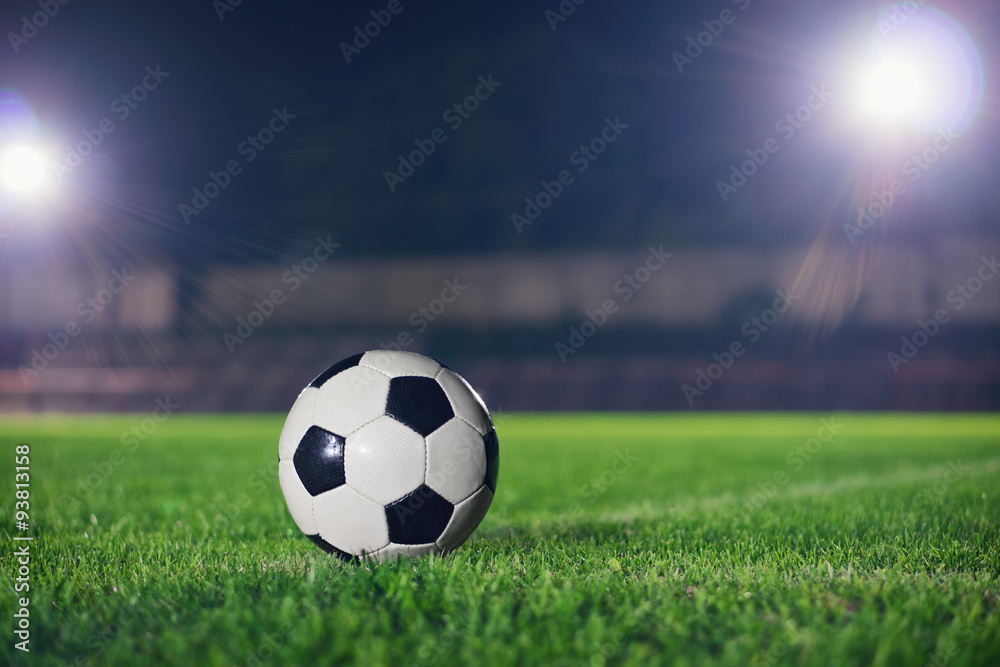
(458, 416)
(388, 541)
(377, 370)
(312, 510)
(312, 411)
(365, 424)
(360, 493)
(478, 489)
(474, 427)
(383, 407)
(445, 531)
(450, 401)
(427, 459)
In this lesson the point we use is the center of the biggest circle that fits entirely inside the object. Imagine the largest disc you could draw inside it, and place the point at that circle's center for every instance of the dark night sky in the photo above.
(325, 172)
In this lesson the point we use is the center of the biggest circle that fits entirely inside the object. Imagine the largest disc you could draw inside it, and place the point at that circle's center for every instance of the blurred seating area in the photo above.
(267, 375)
(213, 343)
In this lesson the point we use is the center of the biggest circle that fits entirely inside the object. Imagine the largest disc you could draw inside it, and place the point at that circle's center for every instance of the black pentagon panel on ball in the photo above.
(418, 402)
(339, 367)
(330, 549)
(319, 461)
(492, 460)
(418, 517)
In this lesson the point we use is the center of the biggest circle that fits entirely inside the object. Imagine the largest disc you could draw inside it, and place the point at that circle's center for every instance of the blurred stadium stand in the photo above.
(163, 335)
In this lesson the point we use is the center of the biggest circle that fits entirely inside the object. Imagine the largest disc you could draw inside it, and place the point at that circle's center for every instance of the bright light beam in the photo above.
(892, 91)
(922, 73)
(23, 170)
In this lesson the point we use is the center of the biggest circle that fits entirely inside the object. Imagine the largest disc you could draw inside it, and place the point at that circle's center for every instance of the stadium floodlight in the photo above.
(22, 169)
(892, 90)
(922, 72)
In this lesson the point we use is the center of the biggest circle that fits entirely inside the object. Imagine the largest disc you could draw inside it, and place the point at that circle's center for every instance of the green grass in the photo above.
(881, 548)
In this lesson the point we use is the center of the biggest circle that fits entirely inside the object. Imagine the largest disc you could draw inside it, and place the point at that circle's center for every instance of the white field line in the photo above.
(843, 485)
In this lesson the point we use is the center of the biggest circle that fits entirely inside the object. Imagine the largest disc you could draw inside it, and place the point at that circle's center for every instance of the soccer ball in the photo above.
(387, 454)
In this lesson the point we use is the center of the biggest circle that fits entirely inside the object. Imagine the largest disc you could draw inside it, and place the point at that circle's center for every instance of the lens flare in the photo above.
(18, 124)
(22, 169)
(923, 72)
(892, 90)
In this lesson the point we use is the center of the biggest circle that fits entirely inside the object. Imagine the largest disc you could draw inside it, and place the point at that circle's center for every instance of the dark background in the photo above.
(324, 176)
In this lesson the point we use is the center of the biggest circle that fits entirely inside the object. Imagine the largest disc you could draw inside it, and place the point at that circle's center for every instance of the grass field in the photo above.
(614, 539)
